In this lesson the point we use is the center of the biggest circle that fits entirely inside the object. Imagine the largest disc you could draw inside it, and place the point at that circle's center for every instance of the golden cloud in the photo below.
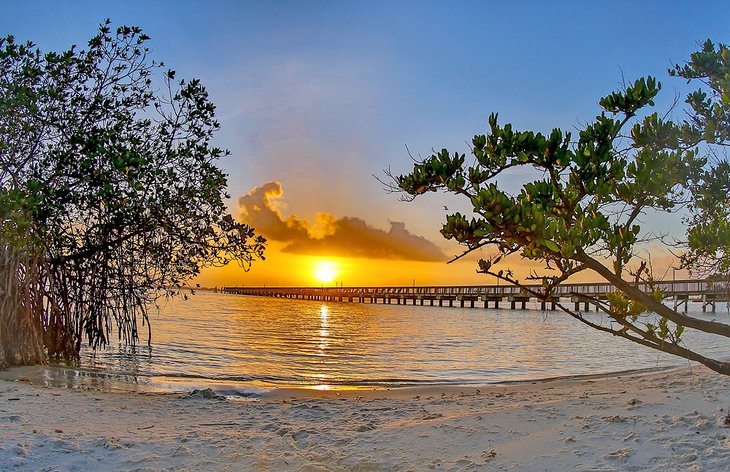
(345, 237)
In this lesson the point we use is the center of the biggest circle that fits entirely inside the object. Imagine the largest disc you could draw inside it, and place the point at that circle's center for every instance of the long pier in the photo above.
(680, 293)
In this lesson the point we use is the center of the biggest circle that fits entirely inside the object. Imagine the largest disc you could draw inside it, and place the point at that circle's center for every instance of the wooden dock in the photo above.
(679, 293)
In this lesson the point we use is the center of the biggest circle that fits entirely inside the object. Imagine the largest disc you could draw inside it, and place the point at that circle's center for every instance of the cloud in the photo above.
(259, 210)
(331, 236)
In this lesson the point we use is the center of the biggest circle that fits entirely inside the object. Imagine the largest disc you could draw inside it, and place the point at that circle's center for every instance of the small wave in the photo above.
(239, 382)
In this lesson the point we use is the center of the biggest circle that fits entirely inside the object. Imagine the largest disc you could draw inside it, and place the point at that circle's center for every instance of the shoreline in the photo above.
(670, 419)
(405, 390)
(74, 377)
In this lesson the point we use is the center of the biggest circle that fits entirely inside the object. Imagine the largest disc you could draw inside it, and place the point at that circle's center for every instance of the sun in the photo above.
(325, 271)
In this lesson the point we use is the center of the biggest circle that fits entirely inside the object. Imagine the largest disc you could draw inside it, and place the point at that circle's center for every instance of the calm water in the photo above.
(264, 342)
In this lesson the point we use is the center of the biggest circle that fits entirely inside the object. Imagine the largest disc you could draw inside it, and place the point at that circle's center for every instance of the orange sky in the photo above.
(333, 249)
(330, 250)
(285, 269)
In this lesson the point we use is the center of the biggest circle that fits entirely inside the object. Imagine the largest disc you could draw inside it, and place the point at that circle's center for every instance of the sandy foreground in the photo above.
(666, 420)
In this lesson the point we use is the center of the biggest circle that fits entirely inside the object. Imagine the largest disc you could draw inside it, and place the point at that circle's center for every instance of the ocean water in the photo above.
(258, 342)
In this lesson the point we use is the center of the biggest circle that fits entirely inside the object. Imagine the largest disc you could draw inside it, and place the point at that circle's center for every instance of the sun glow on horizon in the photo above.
(325, 271)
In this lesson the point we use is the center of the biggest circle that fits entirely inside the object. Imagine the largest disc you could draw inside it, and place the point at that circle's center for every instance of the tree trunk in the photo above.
(20, 309)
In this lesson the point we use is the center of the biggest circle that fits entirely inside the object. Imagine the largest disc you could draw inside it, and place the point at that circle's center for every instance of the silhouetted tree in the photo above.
(107, 160)
(581, 212)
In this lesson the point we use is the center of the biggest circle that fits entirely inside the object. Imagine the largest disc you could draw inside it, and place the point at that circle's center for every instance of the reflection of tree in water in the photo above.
(134, 364)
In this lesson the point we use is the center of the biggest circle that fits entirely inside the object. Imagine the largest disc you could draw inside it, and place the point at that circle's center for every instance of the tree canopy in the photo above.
(583, 211)
(108, 174)
(709, 123)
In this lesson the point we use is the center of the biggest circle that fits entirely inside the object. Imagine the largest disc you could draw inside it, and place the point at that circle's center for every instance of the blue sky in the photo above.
(320, 95)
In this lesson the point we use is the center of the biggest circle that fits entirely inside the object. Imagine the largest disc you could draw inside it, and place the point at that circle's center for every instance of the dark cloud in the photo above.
(347, 236)
(354, 237)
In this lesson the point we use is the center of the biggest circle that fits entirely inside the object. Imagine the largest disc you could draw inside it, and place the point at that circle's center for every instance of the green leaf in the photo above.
(551, 245)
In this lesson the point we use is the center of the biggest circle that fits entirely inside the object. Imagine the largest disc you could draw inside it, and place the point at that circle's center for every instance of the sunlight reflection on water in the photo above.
(274, 342)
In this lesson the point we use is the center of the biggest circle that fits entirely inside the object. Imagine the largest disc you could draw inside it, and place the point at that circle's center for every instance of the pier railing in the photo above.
(670, 288)
(680, 291)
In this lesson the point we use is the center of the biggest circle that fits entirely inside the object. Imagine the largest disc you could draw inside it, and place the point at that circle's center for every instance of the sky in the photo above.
(315, 98)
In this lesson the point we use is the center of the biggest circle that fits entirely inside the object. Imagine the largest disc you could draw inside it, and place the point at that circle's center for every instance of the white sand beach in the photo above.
(666, 420)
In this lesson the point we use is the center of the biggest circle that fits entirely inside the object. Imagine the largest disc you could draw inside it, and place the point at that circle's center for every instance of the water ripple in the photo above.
(274, 342)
